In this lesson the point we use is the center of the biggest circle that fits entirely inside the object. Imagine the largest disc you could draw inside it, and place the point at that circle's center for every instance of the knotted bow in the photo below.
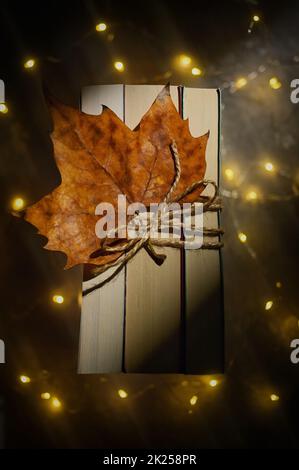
(131, 247)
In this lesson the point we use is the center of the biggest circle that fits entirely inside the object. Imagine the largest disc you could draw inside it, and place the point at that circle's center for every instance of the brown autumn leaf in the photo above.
(99, 157)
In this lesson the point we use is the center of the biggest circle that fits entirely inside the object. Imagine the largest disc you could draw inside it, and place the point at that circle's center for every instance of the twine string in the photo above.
(129, 248)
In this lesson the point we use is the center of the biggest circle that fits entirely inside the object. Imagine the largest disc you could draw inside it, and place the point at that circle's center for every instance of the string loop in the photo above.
(129, 248)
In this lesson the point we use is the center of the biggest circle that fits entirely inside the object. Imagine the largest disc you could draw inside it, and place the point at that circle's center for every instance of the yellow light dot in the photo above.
(269, 167)
(25, 379)
(274, 397)
(122, 393)
(17, 203)
(45, 396)
(196, 71)
(213, 382)
(229, 174)
(29, 64)
(101, 27)
(242, 237)
(278, 284)
(119, 66)
(58, 299)
(274, 83)
(256, 18)
(268, 304)
(193, 400)
(184, 60)
(251, 196)
(56, 403)
(241, 82)
(3, 108)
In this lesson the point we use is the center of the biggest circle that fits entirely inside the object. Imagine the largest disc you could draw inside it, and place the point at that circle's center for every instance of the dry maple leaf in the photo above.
(99, 157)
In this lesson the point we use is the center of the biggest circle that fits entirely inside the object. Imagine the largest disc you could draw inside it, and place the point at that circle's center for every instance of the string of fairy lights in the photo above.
(235, 190)
(192, 393)
(55, 403)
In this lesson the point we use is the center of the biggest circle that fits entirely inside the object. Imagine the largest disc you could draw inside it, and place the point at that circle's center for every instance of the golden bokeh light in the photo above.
(274, 397)
(119, 66)
(184, 60)
(58, 299)
(269, 167)
(101, 27)
(122, 393)
(56, 403)
(251, 196)
(193, 400)
(25, 379)
(268, 304)
(45, 396)
(29, 64)
(275, 83)
(242, 237)
(3, 108)
(213, 383)
(241, 82)
(196, 71)
(229, 174)
(17, 204)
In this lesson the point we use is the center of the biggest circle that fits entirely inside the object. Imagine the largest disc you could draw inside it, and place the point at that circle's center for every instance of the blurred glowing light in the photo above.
(268, 304)
(25, 379)
(274, 83)
(119, 66)
(56, 404)
(184, 60)
(29, 64)
(122, 393)
(269, 167)
(58, 299)
(229, 174)
(193, 400)
(101, 27)
(241, 82)
(242, 237)
(3, 108)
(45, 396)
(251, 196)
(278, 284)
(213, 382)
(17, 203)
(274, 397)
(196, 71)
(256, 18)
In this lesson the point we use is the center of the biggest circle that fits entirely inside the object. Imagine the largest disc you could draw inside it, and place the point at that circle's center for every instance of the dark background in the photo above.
(259, 123)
